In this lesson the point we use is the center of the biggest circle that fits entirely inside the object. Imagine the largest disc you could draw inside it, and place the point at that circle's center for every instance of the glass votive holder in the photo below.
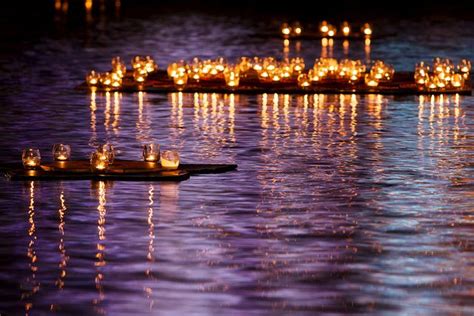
(92, 78)
(31, 158)
(108, 151)
(180, 79)
(232, 75)
(170, 159)
(61, 152)
(99, 161)
(151, 152)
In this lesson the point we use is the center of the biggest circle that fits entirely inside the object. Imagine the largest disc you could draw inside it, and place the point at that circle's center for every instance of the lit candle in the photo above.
(457, 81)
(92, 78)
(108, 151)
(139, 77)
(367, 30)
(303, 81)
(151, 152)
(285, 29)
(99, 161)
(346, 29)
(31, 158)
(324, 28)
(371, 81)
(170, 159)
(298, 64)
(232, 75)
(297, 29)
(180, 79)
(61, 152)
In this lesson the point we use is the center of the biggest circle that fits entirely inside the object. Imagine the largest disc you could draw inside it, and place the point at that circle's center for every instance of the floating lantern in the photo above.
(313, 75)
(285, 30)
(175, 68)
(99, 161)
(464, 67)
(118, 67)
(92, 78)
(457, 81)
(371, 81)
(150, 65)
(107, 150)
(220, 64)
(331, 31)
(232, 75)
(275, 75)
(324, 28)
(138, 62)
(151, 152)
(106, 79)
(297, 29)
(345, 28)
(269, 64)
(257, 64)
(61, 152)
(382, 71)
(297, 64)
(367, 30)
(180, 79)
(170, 159)
(430, 84)
(139, 77)
(245, 64)
(31, 158)
(303, 81)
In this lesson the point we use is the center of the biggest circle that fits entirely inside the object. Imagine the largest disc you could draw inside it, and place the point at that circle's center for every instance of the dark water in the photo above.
(341, 204)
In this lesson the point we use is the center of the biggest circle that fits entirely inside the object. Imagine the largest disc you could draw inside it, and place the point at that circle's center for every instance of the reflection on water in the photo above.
(341, 204)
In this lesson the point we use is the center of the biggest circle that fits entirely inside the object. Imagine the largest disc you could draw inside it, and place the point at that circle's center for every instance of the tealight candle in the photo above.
(180, 79)
(457, 81)
(297, 29)
(31, 158)
(245, 64)
(285, 29)
(303, 81)
(92, 78)
(99, 161)
(61, 152)
(367, 30)
(371, 81)
(150, 65)
(346, 29)
(324, 28)
(232, 75)
(139, 77)
(151, 152)
(170, 159)
(108, 151)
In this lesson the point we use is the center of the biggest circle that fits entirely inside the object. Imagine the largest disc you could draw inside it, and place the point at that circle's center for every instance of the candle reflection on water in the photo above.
(100, 255)
(64, 258)
(150, 257)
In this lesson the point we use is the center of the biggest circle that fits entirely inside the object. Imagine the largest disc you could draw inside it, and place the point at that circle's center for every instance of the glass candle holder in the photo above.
(99, 161)
(170, 159)
(457, 81)
(303, 81)
(296, 29)
(61, 152)
(31, 158)
(285, 29)
(324, 28)
(108, 151)
(180, 79)
(151, 152)
(367, 30)
(232, 75)
(371, 81)
(92, 78)
(346, 28)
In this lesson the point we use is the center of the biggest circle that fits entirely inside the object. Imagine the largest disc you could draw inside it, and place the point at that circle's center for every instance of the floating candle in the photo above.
(31, 158)
(170, 159)
(61, 152)
(151, 152)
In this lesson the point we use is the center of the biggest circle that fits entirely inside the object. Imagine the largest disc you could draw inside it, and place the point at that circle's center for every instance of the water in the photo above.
(341, 203)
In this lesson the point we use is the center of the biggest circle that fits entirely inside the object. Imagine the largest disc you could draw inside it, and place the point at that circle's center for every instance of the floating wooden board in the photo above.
(124, 170)
(402, 84)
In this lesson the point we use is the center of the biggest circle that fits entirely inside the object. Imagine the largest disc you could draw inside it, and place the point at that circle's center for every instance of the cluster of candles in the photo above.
(325, 29)
(142, 66)
(269, 70)
(443, 74)
(103, 157)
(348, 70)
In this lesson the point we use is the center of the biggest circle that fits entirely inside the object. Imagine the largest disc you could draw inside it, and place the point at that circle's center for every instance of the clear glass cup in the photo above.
(108, 150)
(61, 152)
(232, 75)
(99, 161)
(170, 159)
(151, 152)
(31, 158)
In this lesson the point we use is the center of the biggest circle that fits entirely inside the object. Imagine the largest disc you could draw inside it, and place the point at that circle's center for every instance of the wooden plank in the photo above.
(158, 82)
(127, 171)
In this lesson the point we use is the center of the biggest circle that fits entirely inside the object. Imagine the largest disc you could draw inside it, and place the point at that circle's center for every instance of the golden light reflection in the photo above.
(143, 123)
(116, 122)
(33, 283)
(100, 255)
(151, 249)
(93, 124)
(177, 119)
(367, 43)
(62, 247)
(107, 114)
(345, 46)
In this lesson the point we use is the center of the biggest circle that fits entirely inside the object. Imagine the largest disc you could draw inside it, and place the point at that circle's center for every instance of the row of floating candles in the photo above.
(271, 70)
(103, 156)
(443, 74)
(325, 29)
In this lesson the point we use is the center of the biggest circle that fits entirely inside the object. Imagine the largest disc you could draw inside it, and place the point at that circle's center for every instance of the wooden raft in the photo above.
(159, 82)
(125, 170)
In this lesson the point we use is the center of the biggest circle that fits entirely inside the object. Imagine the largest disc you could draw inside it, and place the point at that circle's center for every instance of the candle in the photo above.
(232, 75)
(92, 78)
(139, 77)
(108, 151)
(303, 81)
(151, 152)
(61, 152)
(180, 79)
(367, 30)
(170, 159)
(324, 28)
(346, 29)
(31, 158)
(371, 81)
(457, 81)
(285, 29)
(99, 161)
(297, 29)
